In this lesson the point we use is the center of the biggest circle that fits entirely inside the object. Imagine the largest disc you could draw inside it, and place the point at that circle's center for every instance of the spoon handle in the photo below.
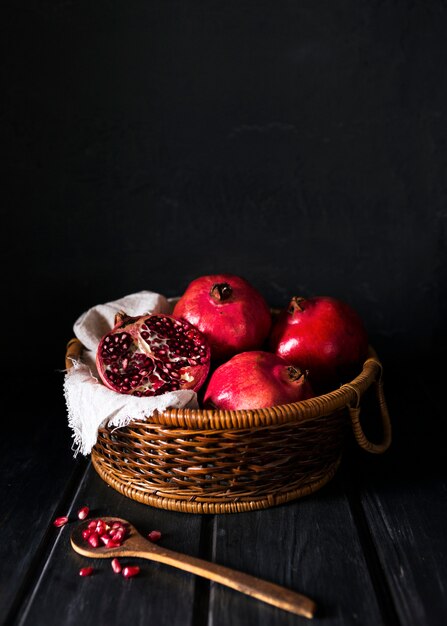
(250, 585)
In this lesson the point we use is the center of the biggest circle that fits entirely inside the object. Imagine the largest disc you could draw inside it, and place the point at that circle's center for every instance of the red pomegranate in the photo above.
(321, 334)
(229, 311)
(151, 354)
(256, 380)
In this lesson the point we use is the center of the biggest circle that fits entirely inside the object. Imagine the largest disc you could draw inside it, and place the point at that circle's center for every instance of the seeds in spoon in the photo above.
(100, 533)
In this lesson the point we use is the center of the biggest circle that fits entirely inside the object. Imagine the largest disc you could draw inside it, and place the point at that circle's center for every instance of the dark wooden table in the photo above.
(370, 548)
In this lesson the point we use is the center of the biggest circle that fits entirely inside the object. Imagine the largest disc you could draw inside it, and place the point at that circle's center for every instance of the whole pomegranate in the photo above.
(229, 311)
(321, 334)
(256, 380)
(151, 354)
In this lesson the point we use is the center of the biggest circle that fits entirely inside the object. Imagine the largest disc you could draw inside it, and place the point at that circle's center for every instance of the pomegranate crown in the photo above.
(296, 305)
(221, 292)
(295, 373)
(121, 318)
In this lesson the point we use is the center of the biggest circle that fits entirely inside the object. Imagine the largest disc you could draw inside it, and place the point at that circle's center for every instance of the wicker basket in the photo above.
(215, 461)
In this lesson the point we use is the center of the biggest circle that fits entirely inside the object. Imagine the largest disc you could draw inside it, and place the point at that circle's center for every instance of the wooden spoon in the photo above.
(135, 545)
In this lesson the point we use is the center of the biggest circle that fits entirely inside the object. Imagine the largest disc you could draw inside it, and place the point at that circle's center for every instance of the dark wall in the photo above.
(301, 144)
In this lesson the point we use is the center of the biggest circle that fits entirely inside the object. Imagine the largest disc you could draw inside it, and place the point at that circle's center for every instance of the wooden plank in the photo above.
(37, 470)
(404, 496)
(311, 546)
(160, 594)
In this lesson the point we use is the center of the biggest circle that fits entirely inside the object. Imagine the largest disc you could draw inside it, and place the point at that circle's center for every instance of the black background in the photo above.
(301, 144)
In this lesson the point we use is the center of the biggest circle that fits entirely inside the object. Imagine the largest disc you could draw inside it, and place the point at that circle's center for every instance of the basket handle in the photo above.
(354, 413)
(73, 351)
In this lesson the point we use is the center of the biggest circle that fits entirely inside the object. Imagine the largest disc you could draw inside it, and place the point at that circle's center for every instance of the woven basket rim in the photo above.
(348, 394)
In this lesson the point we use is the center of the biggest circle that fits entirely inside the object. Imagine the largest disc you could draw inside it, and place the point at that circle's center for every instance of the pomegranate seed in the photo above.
(82, 513)
(60, 521)
(86, 533)
(131, 570)
(101, 527)
(86, 571)
(108, 542)
(118, 536)
(154, 536)
(92, 524)
(116, 566)
(94, 540)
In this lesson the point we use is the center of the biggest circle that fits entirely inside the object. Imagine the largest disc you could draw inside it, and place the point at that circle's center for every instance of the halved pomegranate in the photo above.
(151, 354)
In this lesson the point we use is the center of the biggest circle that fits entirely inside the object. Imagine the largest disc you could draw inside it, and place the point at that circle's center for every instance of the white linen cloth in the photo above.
(90, 404)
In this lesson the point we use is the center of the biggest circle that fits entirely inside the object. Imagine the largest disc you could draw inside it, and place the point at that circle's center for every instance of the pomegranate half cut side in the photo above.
(152, 354)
